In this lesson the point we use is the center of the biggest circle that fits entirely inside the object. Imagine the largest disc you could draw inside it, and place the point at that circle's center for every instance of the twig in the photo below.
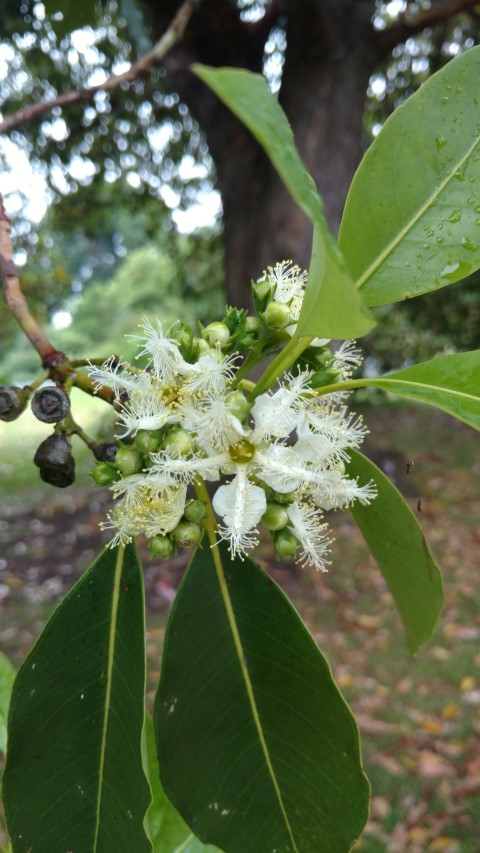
(141, 68)
(14, 298)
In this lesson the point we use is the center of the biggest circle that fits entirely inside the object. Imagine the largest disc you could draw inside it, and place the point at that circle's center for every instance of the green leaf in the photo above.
(412, 217)
(75, 15)
(168, 831)
(248, 96)
(74, 778)
(397, 542)
(7, 677)
(257, 748)
(449, 382)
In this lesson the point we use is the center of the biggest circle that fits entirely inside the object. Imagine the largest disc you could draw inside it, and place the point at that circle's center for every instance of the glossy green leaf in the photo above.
(396, 540)
(168, 831)
(248, 96)
(449, 382)
(257, 748)
(7, 677)
(74, 778)
(74, 15)
(412, 217)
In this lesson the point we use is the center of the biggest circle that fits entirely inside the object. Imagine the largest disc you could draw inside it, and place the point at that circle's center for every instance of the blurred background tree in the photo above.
(120, 173)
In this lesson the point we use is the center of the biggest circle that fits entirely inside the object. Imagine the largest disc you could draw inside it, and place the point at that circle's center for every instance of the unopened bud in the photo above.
(325, 377)
(104, 474)
(129, 460)
(252, 323)
(195, 511)
(201, 347)
(50, 404)
(275, 517)
(160, 546)
(187, 534)
(183, 335)
(237, 404)
(217, 333)
(285, 544)
(179, 440)
(276, 315)
(55, 461)
(12, 402)
(147, 441)
(262, 293)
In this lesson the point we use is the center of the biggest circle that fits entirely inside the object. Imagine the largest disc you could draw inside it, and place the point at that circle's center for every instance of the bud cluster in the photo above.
(278, 457)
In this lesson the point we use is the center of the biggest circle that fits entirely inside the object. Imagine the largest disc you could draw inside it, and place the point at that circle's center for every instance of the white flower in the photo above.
(288, 281)
(162, 514)
(209, 373)
(132, 489)
(144, 410)
(212, 421)
(346, 358)
(164, 354)
(170, 469)
(306, 526)
(116, 375)
(241, 504)
(276, 414)
(323, 417)
(343, 493)
(122, 521)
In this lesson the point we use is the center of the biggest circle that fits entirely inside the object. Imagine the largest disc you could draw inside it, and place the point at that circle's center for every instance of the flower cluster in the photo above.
(185, 418)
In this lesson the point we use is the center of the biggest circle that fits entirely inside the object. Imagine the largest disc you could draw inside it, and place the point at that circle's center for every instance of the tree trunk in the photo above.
(331, 52)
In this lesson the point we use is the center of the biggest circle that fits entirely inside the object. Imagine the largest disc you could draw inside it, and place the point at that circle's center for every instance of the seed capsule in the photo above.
(50, 404)
(55, 461)
(12, 402)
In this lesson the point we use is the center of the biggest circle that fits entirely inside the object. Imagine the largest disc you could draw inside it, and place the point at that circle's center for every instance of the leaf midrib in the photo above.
(410, 224)
(442, 388)
(248, 684)
(108, 691)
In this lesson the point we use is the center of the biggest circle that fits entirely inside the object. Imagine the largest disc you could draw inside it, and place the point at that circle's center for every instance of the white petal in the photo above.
(241, 504)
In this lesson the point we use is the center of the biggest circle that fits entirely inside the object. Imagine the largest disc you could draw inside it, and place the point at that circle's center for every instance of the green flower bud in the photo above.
(183, 335)
(252, 323)
(104, 474)
(276, 315)
(284, 499)
(200, 347)
(262, 293)
(160, 546)
(50, 404)
(217, 333)
(285, 543)
(55, 461)
(129, 460)
(242, 452)
(275, 517)
(187, 534)
(179, 440)
(12, 402)
(325, 377)
(148, 440)
(194, 511)
(237, 404)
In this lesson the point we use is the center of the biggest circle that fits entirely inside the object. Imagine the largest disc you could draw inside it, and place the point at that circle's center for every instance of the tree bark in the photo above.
(331, 52)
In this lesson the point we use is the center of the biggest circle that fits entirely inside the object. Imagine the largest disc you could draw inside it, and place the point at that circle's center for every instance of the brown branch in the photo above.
(57, 363)
(14, 298)
(409, 25)
(141, 68)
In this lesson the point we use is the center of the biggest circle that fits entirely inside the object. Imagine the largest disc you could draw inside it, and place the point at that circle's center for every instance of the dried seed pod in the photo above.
(55, 461)
(50, 404)
(12, 402)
